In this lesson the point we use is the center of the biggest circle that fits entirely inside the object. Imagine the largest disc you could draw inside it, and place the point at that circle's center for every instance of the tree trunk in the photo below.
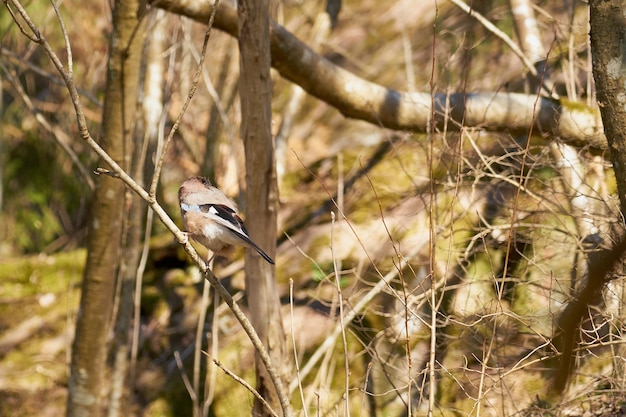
(608, 46)
(255, 94)
(144, 141)
(608, 43)
(89, 351)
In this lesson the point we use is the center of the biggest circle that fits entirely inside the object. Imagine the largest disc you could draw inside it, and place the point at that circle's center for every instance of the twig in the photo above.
(383, 283)
(190, 94)
(57, 134)
(341, 318)
(210, 377)
(204, 305)
(19, 60)
(507, 41)
(432, 244)
(141, 267)
(295, 350)
(244, 383)
(208, 83)
(66, 39)
(183, 374)
(366, 393)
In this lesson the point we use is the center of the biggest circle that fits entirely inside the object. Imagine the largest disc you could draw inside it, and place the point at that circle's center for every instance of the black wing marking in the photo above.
(229, 215)
(224, 212)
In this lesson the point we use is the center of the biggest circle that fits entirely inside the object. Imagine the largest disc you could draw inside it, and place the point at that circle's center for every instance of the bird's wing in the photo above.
(221, 214)
(227, 217)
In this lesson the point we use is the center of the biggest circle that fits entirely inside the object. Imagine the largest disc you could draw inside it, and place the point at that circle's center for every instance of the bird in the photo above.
(212, 219)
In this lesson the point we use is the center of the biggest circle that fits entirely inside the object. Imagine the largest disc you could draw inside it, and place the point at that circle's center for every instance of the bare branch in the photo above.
(190, 94)
(358, 98)
(521, 53)
(244, 383)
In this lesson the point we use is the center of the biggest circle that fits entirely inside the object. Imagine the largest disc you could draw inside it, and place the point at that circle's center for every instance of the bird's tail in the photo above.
(263, 254)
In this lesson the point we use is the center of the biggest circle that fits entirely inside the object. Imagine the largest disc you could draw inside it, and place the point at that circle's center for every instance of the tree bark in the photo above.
(89, 351)
(608, 46)
(144, 141)
(255, 92)
(608, 51)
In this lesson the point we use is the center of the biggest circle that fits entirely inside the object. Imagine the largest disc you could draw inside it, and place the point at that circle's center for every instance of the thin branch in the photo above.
(244, 383)
(432, 244)
(363, 302)
(341, 316)
(507, 41)
(141, 267)
(66, 39)
(204, 305)
(295, 350)
(59, 136)
(211, 374)
(197, 365)
(190, 94)
(181, 368)
(9, 55)
(208, 83)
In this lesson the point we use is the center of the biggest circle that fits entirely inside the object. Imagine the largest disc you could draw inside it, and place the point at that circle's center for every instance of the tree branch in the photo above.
(358, 98)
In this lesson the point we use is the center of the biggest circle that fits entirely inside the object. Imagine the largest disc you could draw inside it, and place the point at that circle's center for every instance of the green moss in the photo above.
(39, 291)
(159, 408)
(230, 397)
(152, 302)
(27, 276)
(577, 106)
(535, 385)
(35, 191)
(611, 182)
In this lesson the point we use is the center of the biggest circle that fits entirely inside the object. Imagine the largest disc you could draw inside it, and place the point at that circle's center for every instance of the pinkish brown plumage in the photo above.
(211, 218)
